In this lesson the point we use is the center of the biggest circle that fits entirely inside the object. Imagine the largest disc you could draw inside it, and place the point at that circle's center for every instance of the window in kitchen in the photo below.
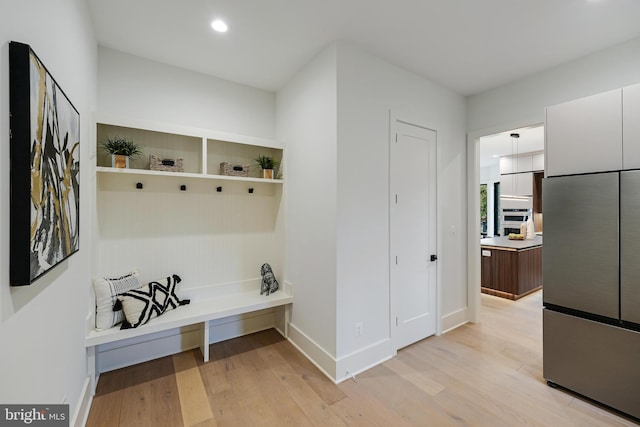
(483, 210)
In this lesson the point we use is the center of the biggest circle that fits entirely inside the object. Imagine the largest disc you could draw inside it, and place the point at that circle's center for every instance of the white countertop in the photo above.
(504, 242)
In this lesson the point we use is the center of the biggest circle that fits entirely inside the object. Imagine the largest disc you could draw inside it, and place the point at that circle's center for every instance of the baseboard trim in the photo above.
(363, 359)
(83, 406)
(312, 351)
(455, 320)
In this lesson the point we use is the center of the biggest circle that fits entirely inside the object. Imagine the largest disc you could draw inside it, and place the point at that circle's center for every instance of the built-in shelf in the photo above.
(186, 175)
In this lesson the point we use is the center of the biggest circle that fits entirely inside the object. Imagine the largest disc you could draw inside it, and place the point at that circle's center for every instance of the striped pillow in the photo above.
(107, 291)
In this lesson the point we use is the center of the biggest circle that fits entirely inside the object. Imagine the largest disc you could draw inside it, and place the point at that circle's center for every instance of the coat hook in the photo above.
(139, 186)
(219, 189)
(183, 188)
(251, 191)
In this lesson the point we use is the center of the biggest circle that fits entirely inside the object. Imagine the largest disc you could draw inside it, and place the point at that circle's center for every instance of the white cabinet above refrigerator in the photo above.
(631, 126)
(584, 135)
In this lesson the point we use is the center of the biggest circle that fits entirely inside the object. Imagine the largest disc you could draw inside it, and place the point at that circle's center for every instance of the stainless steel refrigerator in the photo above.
(591, 286)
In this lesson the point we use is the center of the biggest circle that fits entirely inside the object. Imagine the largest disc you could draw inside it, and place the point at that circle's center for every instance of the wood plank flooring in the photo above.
(487, 374)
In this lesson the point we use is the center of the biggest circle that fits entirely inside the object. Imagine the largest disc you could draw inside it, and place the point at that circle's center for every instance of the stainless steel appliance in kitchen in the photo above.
(515, 211)
(591, 286)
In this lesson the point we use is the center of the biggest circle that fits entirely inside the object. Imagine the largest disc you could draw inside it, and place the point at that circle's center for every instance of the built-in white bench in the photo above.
(204, 307)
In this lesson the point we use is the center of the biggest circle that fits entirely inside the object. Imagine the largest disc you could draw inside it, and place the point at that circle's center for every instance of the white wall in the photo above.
(524, 101)
(368, 90)
(133, 87)
(334, 118)
(42, 355)
(307, 126)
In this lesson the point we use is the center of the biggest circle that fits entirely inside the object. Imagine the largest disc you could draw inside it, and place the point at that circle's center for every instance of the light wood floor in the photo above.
(487, 374)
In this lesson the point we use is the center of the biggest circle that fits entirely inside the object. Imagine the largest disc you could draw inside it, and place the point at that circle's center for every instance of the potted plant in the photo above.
(121, 150)
(267, 163)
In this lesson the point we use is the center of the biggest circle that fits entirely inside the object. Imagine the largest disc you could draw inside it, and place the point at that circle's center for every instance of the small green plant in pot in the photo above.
(121, 150)
(268, 164)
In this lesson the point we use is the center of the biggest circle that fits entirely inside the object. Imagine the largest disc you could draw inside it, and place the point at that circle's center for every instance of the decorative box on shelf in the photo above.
(167, 165)
(230, 170)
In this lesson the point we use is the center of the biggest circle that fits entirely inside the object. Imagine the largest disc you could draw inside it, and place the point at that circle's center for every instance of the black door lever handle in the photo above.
(434, 258)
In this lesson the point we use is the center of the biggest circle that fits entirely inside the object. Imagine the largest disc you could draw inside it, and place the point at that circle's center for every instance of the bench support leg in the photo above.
(287, 319)
(204, 345)
(92, 368)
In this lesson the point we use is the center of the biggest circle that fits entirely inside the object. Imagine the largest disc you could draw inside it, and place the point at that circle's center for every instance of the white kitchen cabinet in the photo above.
(516, 164)
(507, 185)
(524, 184)
(537, 162)
(524, 163)
(506, 165)
(631, 127)
(516, 184)
(584, 135)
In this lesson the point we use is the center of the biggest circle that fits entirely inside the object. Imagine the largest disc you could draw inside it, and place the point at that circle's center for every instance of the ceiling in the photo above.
(493, 147)
(467, 45)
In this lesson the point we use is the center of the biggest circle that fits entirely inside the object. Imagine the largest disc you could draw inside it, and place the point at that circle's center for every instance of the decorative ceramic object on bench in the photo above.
(121, 150)
(269, 282)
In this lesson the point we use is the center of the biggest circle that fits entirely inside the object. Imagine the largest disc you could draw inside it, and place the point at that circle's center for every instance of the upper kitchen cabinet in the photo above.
(631, 126)
(506, 165)
(521, 163)
(584, 135)
(516, 184)
(537, 162)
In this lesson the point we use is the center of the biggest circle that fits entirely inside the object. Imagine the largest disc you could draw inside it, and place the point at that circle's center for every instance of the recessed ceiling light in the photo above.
(219, 26)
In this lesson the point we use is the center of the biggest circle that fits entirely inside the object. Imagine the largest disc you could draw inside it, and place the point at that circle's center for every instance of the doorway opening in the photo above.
(505, 164)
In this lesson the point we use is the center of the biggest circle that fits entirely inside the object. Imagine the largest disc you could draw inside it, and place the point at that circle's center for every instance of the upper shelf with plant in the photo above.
(198, 157)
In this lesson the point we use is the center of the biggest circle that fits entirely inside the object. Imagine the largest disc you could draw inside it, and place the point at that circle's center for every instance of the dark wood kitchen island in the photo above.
(510, 268)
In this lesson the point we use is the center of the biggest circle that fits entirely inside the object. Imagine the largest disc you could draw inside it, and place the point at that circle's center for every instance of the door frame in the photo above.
(473, 211)
(394, 118)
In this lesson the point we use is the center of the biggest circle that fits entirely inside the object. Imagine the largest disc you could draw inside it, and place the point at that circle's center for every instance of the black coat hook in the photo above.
(139, 186)
(251, 191)
(219, 189)
(183, 188)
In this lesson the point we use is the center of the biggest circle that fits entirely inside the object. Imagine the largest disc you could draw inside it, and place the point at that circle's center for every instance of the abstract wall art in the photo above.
(45, 169)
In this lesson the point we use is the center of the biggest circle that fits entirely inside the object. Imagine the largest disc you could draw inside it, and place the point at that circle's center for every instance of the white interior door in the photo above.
(413, 227)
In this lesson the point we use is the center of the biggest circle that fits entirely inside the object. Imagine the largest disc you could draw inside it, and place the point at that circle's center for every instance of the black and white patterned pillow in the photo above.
(106, 290)
(149, 301)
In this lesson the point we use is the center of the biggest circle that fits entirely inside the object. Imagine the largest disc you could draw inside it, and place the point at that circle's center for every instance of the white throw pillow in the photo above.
(107, 291)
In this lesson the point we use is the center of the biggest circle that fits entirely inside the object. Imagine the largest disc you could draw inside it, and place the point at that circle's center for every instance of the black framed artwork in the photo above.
(45, 169)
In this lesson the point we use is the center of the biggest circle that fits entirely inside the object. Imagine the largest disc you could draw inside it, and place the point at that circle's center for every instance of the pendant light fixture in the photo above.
(514, 167)
(514, 160)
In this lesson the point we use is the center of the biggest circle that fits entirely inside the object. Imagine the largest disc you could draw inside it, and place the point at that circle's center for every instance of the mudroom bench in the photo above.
(199, 311)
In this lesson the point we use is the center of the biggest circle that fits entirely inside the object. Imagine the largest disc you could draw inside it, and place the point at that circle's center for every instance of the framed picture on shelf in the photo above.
(45, 169)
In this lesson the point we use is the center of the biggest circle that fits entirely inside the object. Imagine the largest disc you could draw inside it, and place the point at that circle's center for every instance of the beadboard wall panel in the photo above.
(206, 237)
